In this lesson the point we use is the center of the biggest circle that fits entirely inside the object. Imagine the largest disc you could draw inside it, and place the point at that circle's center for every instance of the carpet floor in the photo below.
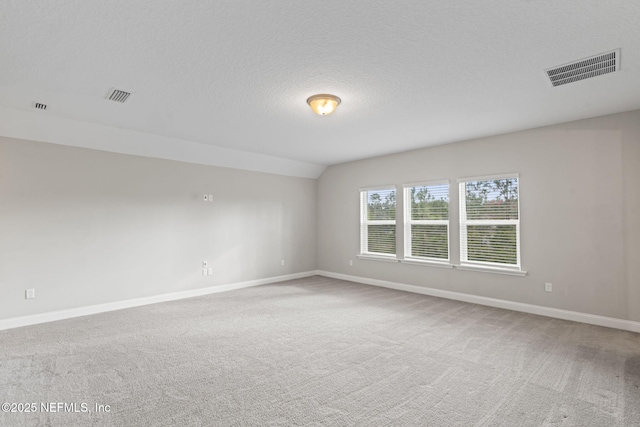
(319, 352)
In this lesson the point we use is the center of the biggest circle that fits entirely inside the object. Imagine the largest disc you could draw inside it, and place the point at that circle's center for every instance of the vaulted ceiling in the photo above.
(236, 74)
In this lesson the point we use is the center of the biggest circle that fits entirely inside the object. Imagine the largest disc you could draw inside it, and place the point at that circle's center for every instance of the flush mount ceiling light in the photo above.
(323, 105)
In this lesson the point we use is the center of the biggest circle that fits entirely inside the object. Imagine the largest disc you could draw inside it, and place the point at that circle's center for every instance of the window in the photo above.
(378, 221)
(426, 221)
(490, 221)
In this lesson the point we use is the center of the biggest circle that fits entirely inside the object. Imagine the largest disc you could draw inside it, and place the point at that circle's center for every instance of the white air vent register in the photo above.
(586, 68)
(118, 95)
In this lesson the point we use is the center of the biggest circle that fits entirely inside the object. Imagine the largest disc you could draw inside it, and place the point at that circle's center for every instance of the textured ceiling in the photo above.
(236, 74)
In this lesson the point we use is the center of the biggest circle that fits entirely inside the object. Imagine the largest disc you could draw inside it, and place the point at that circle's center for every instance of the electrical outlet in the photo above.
(210, 271)
(548, 287)
(282, 263)
(204, 271)
(30, 293)
(211, 197)
(351, 262)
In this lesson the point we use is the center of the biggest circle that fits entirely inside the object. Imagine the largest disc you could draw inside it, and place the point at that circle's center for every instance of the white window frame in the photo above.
(365, 222)
(408, 222)
(464, 222)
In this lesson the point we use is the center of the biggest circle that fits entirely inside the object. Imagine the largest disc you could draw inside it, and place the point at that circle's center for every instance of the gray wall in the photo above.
(85, 227)
(579, 186)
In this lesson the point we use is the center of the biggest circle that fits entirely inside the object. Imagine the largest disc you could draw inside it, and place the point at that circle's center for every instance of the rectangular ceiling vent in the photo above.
(593, 66)
(118, 95)
(39, 106)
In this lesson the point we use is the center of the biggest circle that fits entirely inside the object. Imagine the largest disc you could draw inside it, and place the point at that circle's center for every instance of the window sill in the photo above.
(496, 270)
(377, 258)
(426, 263)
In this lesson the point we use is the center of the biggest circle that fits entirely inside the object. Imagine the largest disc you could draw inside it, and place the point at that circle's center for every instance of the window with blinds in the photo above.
(490, 221)
(378, 221)
(426, 221)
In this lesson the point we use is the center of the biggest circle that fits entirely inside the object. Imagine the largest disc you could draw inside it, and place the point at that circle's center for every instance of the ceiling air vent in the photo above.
(118, 95)
(39, 106)
(593, 66)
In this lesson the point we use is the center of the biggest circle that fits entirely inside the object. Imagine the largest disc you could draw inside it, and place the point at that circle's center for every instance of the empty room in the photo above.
(295, 213)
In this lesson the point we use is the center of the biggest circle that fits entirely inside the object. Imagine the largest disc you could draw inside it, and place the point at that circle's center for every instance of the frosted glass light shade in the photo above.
(323, 105)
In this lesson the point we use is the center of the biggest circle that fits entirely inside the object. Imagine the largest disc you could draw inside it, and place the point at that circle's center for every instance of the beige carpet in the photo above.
(320, 352)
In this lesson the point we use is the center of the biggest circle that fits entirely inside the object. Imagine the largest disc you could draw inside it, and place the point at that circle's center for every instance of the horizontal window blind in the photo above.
(490, 221)
(491, 200)
(492, 243)
(381, 205)
(381, 239)
(426, 208)
(378, 221)
(430, 241)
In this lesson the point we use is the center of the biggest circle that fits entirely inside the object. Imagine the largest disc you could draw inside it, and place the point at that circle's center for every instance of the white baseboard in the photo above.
(592, 319)
(51, 316)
